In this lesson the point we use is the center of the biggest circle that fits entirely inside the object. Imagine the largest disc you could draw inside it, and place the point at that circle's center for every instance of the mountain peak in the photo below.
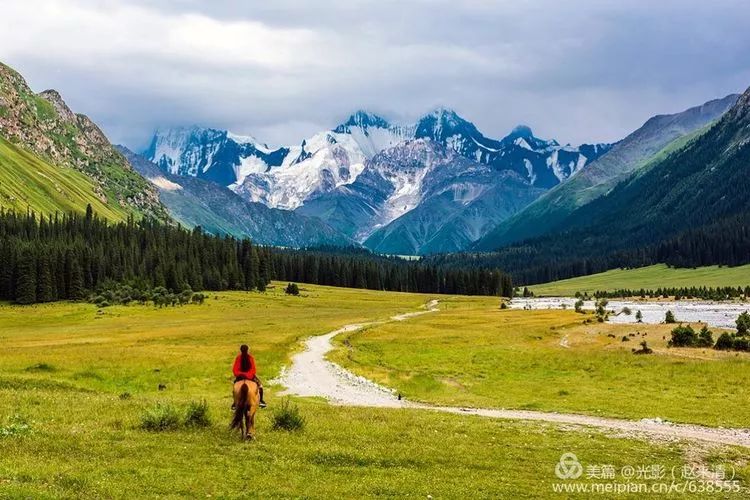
(53, 97)
(443, 123)
(362, 119)
(445, 116)
(521, 131)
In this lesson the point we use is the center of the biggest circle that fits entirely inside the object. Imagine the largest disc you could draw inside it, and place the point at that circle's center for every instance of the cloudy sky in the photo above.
(578, 71)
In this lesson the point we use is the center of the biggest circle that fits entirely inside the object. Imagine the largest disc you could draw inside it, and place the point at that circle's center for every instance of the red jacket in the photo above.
(237, 370)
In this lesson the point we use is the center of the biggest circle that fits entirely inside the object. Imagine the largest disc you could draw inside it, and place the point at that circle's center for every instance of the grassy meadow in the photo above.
(650, 278)
(75, 381)
(474, 353)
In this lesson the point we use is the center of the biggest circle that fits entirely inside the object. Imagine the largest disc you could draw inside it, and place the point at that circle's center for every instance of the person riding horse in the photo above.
(244, 368)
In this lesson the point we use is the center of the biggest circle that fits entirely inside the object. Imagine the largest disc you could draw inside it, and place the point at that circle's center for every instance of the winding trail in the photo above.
(311, 374)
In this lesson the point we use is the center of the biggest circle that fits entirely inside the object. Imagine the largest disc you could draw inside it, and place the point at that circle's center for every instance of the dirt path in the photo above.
(311, 374)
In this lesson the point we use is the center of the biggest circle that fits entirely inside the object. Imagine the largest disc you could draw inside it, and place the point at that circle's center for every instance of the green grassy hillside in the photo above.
(654, 141)
(651, 277)
(28, 182)
(44, 125)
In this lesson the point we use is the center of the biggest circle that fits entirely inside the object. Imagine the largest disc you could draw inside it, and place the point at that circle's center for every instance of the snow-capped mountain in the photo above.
(422, 197)
(214, 155)
(336, 157)
(365, 173)
(543, 163)
(393, 183)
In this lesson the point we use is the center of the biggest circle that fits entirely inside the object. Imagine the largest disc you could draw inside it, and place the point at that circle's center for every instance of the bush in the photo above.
(41, 367)
(683, 336)
(645, 349)
(197, 414)
(287, 417)
(743, 323)
(725, 342)
(292, 289)
(503, 305)
(741, 344)
(669, 318)
(705, 337)
(161, 417)
(639, 316)
(579, 306)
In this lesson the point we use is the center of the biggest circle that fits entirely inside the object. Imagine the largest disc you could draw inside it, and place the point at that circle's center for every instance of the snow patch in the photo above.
(164, 183)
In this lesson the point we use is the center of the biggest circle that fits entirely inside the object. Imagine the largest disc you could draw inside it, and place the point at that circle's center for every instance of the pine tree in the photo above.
(76, 289)
(44, 285)
(26, 279)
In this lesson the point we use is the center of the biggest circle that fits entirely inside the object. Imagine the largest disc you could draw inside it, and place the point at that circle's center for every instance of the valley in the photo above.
(68, 357)
(434, 310)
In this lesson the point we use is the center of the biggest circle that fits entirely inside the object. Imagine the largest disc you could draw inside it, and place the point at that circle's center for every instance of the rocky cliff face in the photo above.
(45, 125)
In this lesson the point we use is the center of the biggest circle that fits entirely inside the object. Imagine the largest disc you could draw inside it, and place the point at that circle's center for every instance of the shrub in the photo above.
(639, 316)
(41, 367)
(503, 305)
(579, 306)
(161, 417)
(292, 289)
(626, 311)
(705, 338)
(125, 396)
(287, 417)
(197, 414)
(741, 344)
(645, 349)
(683, 336)
(724, 343)
(669, 318)
(743, 323)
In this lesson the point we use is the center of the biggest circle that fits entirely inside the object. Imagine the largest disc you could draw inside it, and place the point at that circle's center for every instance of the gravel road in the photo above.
(311, 374)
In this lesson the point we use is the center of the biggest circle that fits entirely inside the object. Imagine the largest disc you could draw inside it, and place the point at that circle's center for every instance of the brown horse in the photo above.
(246, 401)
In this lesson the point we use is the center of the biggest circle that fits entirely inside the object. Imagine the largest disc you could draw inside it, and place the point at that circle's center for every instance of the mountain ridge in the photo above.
(328, 165)
(46, 127)
(691, 207)
(218, 210)
(552, 208)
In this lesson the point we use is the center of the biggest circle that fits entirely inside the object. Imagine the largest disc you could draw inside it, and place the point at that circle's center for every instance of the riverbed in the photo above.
(715, 314)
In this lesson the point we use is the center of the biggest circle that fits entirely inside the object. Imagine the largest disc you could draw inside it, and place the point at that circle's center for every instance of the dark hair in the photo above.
(245, 358)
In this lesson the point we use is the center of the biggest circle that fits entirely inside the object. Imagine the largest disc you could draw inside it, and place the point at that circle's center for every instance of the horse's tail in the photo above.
(241, 409)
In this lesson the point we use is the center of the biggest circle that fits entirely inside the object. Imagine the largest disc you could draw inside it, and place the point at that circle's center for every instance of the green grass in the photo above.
(44, 109)
(473, 353)
(28, 182)
(651, 277)
(72, 432)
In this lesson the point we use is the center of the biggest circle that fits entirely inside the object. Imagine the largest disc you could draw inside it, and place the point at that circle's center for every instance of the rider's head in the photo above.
(244, 348)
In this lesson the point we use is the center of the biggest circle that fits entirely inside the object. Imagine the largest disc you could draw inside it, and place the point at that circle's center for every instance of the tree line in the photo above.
(69, 256)
(358, 268)
(692, 292)
(581, 252)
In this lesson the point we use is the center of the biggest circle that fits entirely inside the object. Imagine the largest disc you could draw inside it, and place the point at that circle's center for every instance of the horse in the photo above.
(246, 402)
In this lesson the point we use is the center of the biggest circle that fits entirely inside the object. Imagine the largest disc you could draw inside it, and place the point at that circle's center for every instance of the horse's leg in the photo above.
(251, 418)
(249, 431)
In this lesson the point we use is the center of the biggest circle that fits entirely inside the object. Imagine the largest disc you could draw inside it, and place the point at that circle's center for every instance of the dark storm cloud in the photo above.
(578, 71)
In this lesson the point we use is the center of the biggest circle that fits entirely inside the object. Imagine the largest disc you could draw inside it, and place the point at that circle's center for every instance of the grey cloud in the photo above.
(585, 71)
